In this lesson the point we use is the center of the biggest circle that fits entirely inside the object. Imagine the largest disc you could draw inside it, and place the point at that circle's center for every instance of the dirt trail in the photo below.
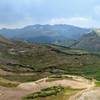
(92, 94)
(44, 84)
(78, 96)
(26, 88)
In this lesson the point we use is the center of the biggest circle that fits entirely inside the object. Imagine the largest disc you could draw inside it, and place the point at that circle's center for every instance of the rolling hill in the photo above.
(23, 61)
(24, 64)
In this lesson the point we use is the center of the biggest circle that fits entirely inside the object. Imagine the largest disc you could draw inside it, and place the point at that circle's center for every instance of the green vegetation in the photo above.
(90, 42)
(49, 92)
(6, 83)
(87, 71)
(42, 60)
(97, 83)
(66, 43)
(45, 92)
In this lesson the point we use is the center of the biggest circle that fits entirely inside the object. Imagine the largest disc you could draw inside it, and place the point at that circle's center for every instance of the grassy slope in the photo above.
(7, 83)
(90, 42)
(43, 60)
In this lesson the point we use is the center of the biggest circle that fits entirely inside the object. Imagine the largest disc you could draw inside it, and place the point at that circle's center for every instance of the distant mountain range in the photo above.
(65, 35)
(46, 33)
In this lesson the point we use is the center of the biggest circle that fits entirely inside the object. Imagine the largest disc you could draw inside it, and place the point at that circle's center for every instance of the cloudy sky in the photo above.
(19, 13)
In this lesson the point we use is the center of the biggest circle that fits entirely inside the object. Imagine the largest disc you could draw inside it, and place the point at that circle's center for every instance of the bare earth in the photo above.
(92, 94)
(12, 94)
(26, 88)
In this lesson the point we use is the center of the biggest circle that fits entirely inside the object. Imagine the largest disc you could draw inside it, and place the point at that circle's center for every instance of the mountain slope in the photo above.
(5, 41)
(23, 61)
(49, 32)
(89, 42)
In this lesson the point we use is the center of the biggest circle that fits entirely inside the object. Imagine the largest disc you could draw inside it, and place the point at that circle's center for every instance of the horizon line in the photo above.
(49, 25)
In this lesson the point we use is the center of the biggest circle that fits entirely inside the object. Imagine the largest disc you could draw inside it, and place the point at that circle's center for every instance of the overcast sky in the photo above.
(19, 13)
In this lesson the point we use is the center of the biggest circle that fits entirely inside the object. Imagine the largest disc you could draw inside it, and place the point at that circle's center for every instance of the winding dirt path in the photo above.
(85, 94)
(92, 94)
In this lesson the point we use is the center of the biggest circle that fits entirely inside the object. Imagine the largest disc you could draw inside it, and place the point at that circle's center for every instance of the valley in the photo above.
(49, 50)
(49, 71)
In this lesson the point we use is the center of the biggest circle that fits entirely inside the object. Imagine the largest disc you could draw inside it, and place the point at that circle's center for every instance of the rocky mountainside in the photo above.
(89, 42)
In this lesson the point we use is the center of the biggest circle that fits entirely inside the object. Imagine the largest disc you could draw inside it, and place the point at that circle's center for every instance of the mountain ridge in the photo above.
(58, 32)
(90, 41)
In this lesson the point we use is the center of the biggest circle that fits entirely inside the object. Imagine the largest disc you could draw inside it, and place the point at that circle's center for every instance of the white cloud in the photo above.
(78, 21)
(19, 24)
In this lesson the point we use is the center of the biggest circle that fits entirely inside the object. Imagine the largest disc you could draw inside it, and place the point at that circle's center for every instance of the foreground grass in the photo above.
(7, 83)
(51, 93)
(97, 83)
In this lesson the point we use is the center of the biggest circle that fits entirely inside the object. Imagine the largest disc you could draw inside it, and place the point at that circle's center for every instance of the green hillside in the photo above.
(26, 62)
(90, 42)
